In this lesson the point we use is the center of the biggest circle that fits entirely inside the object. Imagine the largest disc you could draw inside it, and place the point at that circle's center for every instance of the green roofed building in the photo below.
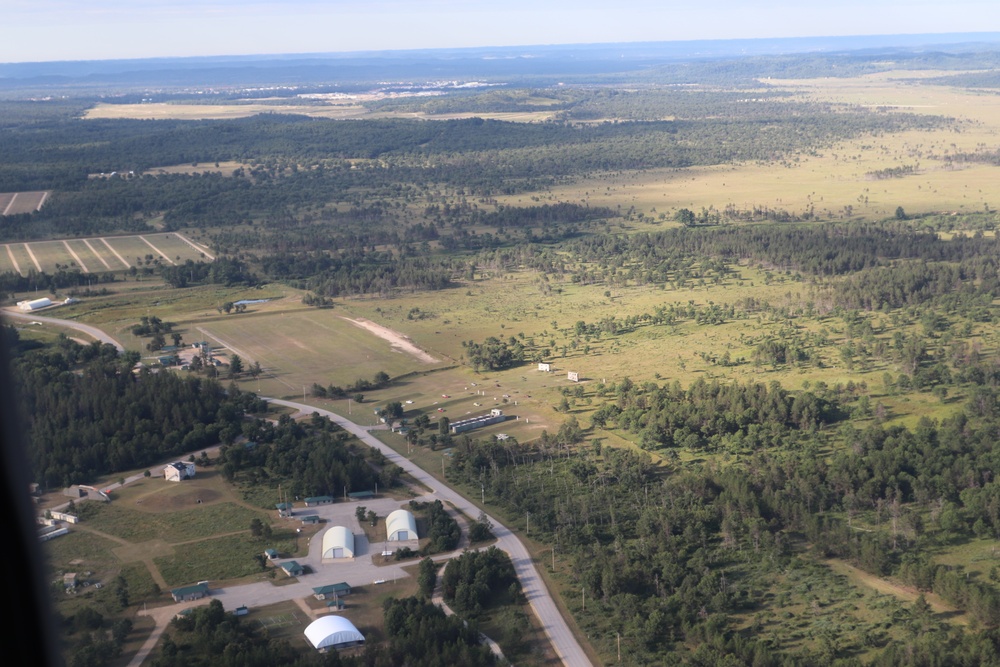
(332, 590)
(187, 593)
(292, 568)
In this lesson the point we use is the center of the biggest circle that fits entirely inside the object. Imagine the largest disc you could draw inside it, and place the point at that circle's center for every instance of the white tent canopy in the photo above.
(401, 526)
(333, 632)
(338, 542)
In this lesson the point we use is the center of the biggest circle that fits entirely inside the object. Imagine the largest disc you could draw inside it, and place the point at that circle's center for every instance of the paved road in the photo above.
(93, 332)
(562, 639)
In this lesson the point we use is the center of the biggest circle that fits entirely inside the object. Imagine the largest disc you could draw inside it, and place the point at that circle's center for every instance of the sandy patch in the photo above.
(397, 341)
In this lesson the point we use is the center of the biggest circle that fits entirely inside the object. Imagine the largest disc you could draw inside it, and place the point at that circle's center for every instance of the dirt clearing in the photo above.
(397, 341)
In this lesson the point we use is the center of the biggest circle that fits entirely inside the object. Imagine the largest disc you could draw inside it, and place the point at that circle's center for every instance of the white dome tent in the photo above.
(333, 632)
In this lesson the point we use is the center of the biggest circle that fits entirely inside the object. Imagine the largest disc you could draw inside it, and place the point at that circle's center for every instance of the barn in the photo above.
(333, 632)
(338, 542)
(401, 526)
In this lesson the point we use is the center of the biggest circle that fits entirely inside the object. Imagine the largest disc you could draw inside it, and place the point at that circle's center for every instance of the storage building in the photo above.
(338, 542)
(400, 526)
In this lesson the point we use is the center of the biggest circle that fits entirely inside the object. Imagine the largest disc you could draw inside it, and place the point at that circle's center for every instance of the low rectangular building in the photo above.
(332, 591)
(318, 500)
(187, 593)
(495, 416)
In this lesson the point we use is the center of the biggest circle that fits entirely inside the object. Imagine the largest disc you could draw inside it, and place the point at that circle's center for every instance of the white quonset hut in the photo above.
(401, 526)
(333, 632)
(338, 542)
(36, 304)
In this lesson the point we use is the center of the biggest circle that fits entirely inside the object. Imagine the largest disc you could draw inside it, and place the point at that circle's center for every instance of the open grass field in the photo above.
(219, 559)
(164, 111)
(334, 110)
(12, 203)
(829, 180)
(173, 533)
(224, 168)
(303, 347)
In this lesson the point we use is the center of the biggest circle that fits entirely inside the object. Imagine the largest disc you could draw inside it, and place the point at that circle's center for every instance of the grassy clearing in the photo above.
(154, 509)
(978, 557)
(220, 558)
(904, 593)
(223, 168)
(303, 347)
(828, 180)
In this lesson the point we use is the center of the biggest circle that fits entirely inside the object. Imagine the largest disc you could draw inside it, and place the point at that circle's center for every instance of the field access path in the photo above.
(563, 640)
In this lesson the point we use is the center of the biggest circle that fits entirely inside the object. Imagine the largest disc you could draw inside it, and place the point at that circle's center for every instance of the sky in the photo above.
(46, 30)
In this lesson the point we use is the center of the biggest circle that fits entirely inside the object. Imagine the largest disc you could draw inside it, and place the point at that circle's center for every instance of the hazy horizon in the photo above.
(60, 30)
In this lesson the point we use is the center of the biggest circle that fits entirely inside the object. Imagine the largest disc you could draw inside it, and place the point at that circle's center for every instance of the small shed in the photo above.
(547, 368)
(292, 568)
(271, 554)
(311, 519)
(573, 376)
(284, 509)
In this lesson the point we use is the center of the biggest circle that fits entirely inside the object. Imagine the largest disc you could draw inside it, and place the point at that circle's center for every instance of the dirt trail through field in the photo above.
(905, 593)
(154, 571)
(396, 340)
(76, 257)
(97, 255)
(195, 246)
(17, 267)
(122, 259)
(33, 258)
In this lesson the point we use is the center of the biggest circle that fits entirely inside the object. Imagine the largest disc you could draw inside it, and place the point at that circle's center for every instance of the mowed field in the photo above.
(300, 347)
(94, 255)
(12, 203)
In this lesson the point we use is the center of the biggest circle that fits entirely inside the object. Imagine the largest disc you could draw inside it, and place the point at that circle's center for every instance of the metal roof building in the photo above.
(401, 526)
(338, 542)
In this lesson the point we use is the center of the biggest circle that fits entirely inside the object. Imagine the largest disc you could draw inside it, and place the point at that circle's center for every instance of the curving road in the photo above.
(93, 332)
(562, 639)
